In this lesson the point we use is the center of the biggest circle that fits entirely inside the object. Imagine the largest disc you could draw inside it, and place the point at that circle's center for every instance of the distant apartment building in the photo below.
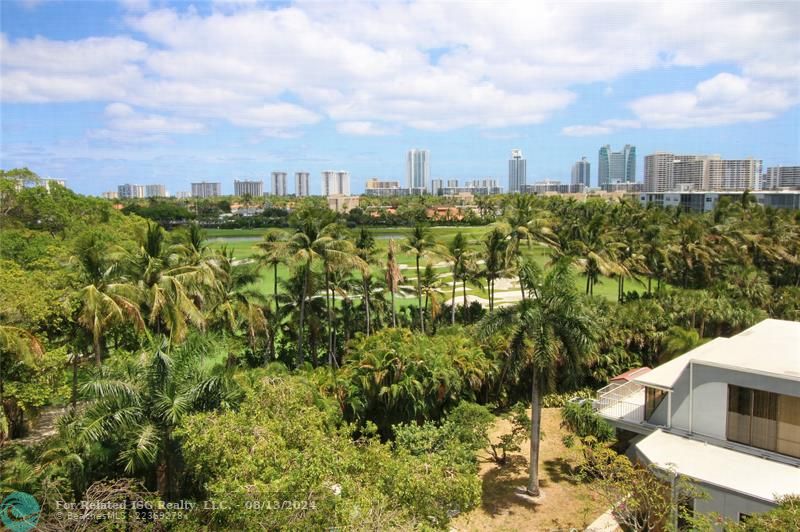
(45, 182)
(377, 187)
(301, 184)
(546, 186)
(581, 173)
(183, 194)
(734, 174)
(616, 166)
(155, 191)
(706, 201)
(109, 195)
(669, 172)
(205, 189)
(436, 186)
(418, 169)
(335, 183)
(781, 177)
(129, 191)
(254, 189)
(517, 171)
(278, 184)
(475, 187)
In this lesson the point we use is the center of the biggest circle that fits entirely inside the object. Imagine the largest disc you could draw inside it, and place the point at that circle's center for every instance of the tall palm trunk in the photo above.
(74, 398)
(366, 302)
(419, 299)
(536, 417)
(394, 310)
(275, 287)
(464, 294)
(328, 313)
(453, 300)
(300, 329)
(98, 351)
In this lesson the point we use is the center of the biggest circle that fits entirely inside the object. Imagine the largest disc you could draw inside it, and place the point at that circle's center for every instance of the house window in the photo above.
(652, 398)
(763, 419)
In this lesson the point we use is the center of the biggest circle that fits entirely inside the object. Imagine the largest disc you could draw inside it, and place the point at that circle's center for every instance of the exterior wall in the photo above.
(728, 504)
(710, 402)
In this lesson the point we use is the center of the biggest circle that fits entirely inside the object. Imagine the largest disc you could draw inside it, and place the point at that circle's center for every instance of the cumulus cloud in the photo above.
(364, 128)
(724, 99)
(124, 124)
(376, 68)
(585, 131)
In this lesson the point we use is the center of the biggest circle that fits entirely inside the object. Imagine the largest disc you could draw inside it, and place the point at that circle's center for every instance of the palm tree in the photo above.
(457, 251)
(549, 330)
(678, 341)
(103, 303)
(593, 252)
(141, 402)
(304, 249)
(431, 284)
(100, 308)
(337, 252)
(330, 246)
(393, 276)
(238, 304)
(690, 250)
(273, 253)
(495, 247)
(171, 287)
(420, 243)
(365, 246)
(655, 254)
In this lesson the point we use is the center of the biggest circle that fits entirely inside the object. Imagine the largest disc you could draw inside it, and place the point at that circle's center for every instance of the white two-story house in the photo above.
(726, 415)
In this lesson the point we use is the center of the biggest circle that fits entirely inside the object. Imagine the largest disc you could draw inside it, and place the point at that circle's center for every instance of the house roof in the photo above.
(732, 470)
(771, 347)
(630, 374)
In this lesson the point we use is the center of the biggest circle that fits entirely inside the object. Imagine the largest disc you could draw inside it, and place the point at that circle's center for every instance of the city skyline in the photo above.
(104, 93)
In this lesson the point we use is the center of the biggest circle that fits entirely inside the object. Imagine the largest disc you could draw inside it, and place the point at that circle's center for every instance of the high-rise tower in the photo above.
(418, 169)
(517, 171)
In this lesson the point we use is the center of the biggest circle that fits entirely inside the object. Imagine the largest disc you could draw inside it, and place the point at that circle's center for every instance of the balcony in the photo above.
(621, 402)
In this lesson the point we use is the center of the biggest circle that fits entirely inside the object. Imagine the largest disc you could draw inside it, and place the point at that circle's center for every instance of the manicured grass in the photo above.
(244, 245)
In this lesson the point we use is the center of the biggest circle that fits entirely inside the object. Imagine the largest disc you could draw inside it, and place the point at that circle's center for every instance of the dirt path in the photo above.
(44, 426)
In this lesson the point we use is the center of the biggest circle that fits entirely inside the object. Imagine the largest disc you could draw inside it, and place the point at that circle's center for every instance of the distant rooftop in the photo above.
(771, 347)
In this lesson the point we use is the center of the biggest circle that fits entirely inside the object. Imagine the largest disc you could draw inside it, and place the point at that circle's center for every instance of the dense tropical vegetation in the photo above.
(351, 380)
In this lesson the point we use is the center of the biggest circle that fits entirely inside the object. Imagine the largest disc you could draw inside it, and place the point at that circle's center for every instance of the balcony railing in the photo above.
(621, 401)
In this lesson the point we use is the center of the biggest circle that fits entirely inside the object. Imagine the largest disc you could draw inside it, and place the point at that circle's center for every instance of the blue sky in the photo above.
(102, 93)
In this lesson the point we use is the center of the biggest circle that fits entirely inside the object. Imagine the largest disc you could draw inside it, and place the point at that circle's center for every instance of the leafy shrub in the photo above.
(287, 445)
(558, 400)
(510, 441)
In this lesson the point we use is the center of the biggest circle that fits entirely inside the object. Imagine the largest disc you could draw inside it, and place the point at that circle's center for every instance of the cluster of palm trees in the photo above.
(163, 290)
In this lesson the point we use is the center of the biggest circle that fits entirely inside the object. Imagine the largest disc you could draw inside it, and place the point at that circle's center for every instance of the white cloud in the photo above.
(376, 68)
(721, 100)
(126, 125)
(364, 128)
(585, 131)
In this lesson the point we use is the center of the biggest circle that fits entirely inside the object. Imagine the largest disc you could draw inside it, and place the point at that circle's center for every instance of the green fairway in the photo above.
(244, 245)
